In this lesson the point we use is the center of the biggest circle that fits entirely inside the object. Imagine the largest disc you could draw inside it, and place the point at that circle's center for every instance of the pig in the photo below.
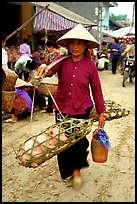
(37, 152)
(54, 133)
(45, 141)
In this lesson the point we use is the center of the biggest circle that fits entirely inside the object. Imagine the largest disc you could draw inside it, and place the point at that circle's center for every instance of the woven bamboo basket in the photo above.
(9, 78)
(44, 91)
(73, 129)
(7, 100)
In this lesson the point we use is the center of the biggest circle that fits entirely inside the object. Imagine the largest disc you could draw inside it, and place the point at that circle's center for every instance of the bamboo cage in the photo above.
(73, 129)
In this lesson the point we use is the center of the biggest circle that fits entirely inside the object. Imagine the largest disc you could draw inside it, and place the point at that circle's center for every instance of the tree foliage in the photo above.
(119, 17)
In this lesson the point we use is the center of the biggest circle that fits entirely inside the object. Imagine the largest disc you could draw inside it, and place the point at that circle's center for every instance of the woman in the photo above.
(25, 49)
(25, 68)
(115, 51)
(75, 74)
(21, 108)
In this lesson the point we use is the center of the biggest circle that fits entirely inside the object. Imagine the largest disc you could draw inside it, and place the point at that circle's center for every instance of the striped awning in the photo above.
(48, 20)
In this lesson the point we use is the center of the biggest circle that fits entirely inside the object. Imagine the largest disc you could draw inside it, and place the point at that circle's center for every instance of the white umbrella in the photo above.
(126, 31)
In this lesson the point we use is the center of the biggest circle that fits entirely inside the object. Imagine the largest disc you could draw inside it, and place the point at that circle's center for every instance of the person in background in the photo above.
(29, 42)
(38, 57)
(39, 100)
(76, 74)
(91, 53)
(25, 49)
(4, 52)
(104, 49)
(102, 62)
(115, 52)
(25, 68)
(53, 51)
(19, 111)
(130, 52)
(122, 59)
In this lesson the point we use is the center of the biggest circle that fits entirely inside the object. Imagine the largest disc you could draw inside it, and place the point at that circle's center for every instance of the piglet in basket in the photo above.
(37, 149)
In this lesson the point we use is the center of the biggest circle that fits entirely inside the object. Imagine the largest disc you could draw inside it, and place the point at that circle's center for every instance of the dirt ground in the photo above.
(113, 181)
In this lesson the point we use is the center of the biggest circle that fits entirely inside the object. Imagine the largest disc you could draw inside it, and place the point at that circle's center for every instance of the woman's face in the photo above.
(77, 47)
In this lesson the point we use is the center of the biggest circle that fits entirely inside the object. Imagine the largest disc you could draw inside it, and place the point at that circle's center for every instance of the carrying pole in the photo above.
(25, 24)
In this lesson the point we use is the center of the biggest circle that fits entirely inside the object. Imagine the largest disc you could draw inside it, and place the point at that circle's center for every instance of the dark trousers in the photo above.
(75, 157)
(114, 65)
(26, 75)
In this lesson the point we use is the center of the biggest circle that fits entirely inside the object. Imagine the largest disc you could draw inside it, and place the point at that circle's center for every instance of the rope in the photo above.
(29, 133)
(54, 101)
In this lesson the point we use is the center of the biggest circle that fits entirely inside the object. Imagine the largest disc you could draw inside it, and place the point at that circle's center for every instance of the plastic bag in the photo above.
(100, 146)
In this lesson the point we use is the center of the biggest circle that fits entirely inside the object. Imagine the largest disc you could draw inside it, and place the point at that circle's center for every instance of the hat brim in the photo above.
(22, 83)
(78, 32)
(90, 45)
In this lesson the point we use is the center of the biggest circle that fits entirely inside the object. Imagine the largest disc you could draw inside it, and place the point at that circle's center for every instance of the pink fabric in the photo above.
(73, 93)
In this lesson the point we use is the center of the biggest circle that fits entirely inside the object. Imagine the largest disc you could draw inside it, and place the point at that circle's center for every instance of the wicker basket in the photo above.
(44, 91)
(73, 129)
(7, 100)
(9, 78)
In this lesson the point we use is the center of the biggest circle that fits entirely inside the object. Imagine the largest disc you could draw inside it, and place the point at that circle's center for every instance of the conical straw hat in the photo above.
(20, 83)
(78, 32)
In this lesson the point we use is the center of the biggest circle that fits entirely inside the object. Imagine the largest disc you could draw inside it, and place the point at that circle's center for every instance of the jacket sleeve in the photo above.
(97, 92)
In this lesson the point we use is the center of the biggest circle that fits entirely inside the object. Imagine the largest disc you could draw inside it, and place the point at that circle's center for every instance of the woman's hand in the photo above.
(47, 71)
(101, 121)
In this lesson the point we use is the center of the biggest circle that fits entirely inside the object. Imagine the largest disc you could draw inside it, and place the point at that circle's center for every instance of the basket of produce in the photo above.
(113, 111)
(48, 143)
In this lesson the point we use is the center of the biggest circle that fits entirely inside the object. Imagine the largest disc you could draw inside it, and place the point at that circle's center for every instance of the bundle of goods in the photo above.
(113, 111)
(56, 138)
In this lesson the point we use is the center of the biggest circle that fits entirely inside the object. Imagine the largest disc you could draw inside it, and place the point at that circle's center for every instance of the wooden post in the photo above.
(25, 24)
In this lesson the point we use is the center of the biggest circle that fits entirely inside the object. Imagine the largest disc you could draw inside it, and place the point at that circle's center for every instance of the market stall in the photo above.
(56, 20)
(122, 32)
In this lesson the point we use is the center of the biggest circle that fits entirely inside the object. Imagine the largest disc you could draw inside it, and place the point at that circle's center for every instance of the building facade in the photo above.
(93, 11)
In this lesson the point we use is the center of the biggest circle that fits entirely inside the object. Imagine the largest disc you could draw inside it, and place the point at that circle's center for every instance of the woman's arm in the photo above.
(101, 120)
